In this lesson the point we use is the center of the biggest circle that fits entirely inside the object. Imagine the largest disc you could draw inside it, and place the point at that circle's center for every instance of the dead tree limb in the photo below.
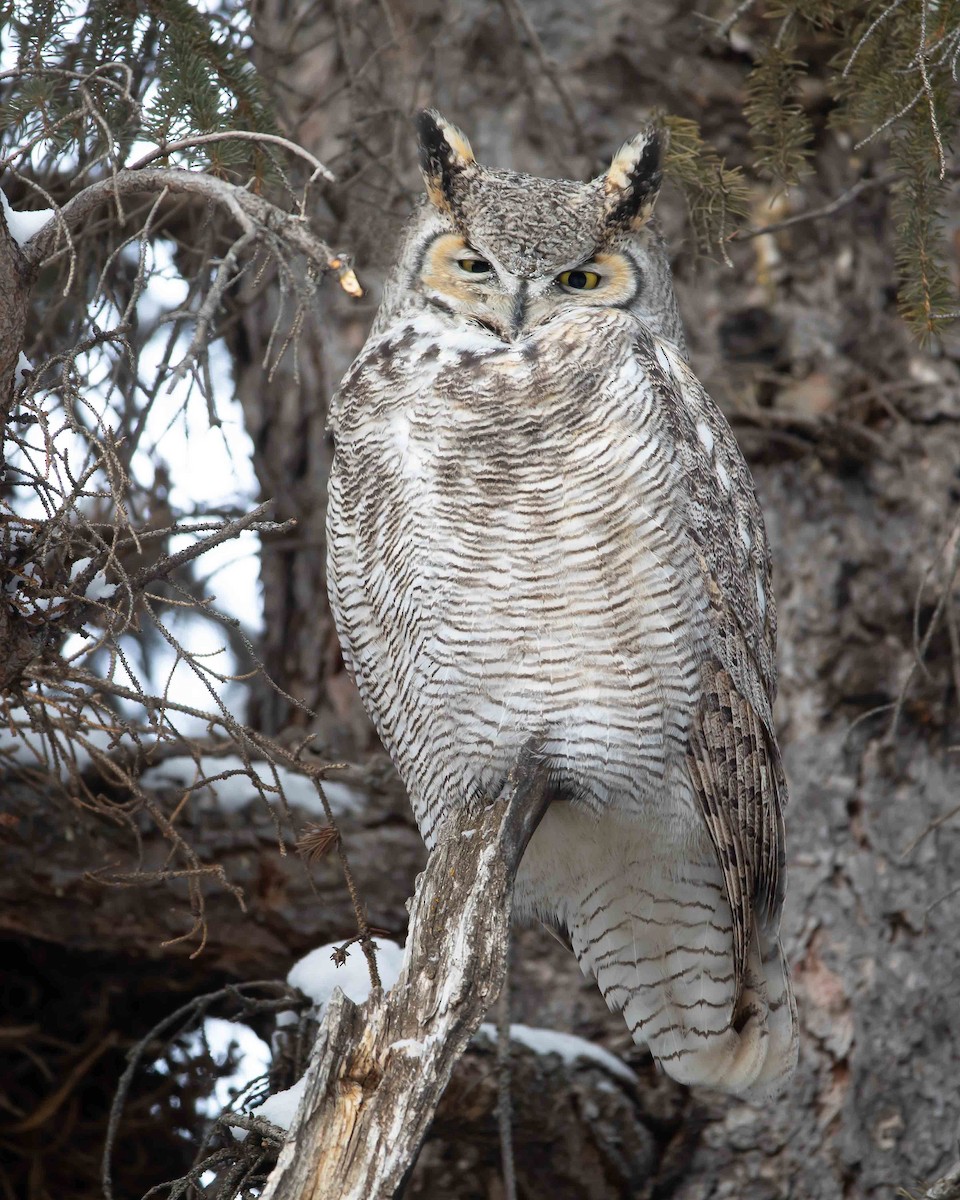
(947, 1188)
(378, 1071)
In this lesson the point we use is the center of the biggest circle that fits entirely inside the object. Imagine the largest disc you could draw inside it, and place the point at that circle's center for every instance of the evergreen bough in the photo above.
(179, 72)
(890, 67)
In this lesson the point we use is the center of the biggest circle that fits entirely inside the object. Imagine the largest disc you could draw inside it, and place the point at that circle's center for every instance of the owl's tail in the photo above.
(648, 918)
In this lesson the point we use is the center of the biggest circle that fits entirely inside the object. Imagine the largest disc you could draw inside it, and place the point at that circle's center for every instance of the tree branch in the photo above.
(378, 1071)
(253, 214)
(814, 214)
(224, 533)
(223, 135)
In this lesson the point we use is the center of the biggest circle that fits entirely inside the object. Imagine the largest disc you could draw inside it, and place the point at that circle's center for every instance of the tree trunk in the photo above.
(853, 434)
(858, 503)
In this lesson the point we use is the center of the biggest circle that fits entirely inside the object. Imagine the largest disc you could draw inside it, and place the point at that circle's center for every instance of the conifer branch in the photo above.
(165, 149)
(814, 214)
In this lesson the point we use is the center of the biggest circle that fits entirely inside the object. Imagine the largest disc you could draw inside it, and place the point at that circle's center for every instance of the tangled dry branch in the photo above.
(240, 1164)
(100, 561)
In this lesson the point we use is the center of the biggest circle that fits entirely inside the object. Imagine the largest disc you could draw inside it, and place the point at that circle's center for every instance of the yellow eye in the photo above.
(475, 266)
(580, 279)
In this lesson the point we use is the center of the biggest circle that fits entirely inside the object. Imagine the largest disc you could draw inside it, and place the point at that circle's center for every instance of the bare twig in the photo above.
(934, 824)
(253, 214)
(741, 10)
(225, 533)
(504, 1103)
(814, 214)
(365, 939)
(868, 34)
(260, 996)
(921, 59)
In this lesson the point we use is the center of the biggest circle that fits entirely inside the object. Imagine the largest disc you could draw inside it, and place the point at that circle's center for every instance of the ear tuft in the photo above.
(445, 154)
(632, 183)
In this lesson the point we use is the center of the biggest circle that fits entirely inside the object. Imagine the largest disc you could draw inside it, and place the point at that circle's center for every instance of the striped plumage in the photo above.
(540, 524)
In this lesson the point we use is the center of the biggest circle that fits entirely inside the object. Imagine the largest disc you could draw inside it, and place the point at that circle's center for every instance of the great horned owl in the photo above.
(540, 524)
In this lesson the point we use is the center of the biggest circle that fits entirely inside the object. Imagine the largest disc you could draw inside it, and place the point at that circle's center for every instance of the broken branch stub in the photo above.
(378, 1070)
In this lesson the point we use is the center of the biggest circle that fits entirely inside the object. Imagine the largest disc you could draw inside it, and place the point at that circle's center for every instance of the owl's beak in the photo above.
(518, 312)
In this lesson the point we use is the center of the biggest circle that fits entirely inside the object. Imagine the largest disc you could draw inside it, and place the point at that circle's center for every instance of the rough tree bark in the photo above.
(18, 645)
(18, 274)
(285, 415)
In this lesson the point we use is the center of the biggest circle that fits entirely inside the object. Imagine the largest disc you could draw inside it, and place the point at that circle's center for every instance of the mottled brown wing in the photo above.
(733, 759)
(721, 515)
(739, 783)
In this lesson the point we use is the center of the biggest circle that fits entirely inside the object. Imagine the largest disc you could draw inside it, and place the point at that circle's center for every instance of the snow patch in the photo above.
(23, 580)
(569, 1047)
(318, 976)
(280, 1108)
(22, 226)
(97, 588)
(237, 790)
(252, 1061)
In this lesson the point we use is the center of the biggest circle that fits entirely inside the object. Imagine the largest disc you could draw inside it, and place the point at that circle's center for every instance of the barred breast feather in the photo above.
(559, 536)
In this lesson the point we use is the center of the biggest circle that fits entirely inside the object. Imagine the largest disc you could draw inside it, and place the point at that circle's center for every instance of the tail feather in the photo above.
(649, 919)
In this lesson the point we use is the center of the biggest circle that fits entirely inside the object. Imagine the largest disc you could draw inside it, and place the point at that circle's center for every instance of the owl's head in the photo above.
(508, 252)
